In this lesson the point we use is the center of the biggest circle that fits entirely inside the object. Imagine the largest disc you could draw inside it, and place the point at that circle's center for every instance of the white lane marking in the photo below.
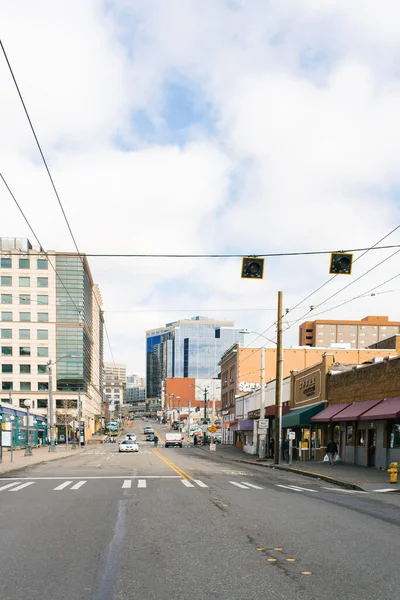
(77, 485)
(21, 487)
(5, 487)
(187, 483)
(127, 484)
(98, 465)
(385, 490)
(239, 485)
(62, 486)
(200, 483)
(345, 491)
(296, 489)
(142, 483)
(256, 487)
(55, 478)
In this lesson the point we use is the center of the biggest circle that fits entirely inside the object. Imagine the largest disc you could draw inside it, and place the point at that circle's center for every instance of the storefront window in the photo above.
(360, 437)
(394, 435)
(349, 435)
(336, 434)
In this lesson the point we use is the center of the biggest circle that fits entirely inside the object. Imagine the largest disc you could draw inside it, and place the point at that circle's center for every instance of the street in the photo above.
(181, 524)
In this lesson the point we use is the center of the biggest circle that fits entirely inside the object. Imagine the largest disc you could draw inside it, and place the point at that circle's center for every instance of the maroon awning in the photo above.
(326, 415)
(388, 409)
(270, 410)
(356, 410)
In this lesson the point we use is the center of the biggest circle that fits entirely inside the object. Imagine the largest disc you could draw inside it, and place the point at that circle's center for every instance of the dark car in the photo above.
(150, 437)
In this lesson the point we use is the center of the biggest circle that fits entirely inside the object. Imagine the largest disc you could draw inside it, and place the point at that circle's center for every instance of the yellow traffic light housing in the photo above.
(252, 267)
(341, 263)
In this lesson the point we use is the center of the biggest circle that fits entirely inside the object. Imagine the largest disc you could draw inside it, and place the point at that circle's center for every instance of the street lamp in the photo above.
(28, 449)
(52, 447)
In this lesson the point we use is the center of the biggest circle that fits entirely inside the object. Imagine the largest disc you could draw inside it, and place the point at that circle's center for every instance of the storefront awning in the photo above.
(270, 410)
(301, 416)
(356, 410)
(388, 409)
(331, 411)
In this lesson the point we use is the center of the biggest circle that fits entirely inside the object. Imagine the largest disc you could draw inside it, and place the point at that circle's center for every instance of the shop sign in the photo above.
(253, 414)
(245, 386)
(308, 386)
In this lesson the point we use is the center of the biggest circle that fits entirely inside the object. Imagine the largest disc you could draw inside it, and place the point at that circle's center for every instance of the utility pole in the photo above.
(52, 447)
(261, 442)
(278, 388)
(205, 403)
(188, 421)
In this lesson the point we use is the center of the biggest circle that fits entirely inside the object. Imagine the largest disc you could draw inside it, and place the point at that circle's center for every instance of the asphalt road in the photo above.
(182, 524)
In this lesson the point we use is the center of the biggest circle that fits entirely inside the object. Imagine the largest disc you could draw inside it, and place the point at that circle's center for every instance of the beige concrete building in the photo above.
(50, 314)
(358, 334)
(115, 385)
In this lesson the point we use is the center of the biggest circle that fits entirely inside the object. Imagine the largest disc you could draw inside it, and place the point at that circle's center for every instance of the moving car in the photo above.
(128, 446)
(173, 439)
(148, 429)
(131, 436)
(150, 437)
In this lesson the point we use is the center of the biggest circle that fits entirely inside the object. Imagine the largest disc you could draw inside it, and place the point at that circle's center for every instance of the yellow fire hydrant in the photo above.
(393, 472)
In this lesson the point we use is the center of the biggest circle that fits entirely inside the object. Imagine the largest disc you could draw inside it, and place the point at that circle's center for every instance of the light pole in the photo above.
(52, 447)
(11, 419)
(28, 449)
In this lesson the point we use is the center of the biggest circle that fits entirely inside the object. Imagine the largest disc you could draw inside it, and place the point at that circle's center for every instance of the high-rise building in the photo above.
(115, 385)
(135, 389)
(358, 334)
(50, 314)
(187, 348)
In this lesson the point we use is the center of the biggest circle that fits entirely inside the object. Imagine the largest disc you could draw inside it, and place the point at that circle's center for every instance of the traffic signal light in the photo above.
(252, 267)
(197, 408)
(341, 263)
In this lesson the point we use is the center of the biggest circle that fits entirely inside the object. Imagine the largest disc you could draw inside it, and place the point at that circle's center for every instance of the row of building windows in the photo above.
(6, 281)
(25, 299)
(42, 317)
(23, 351)
(8, 368)
(24, 334)
(23, 263)
(42, 403)
(25, 386)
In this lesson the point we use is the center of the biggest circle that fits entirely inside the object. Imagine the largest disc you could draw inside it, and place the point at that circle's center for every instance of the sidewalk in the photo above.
(39, 456)
(348, 476)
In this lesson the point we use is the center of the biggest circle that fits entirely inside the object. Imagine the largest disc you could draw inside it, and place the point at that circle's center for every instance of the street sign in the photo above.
(292, 435)
(212, 429)
(262, 423)
(213, 447)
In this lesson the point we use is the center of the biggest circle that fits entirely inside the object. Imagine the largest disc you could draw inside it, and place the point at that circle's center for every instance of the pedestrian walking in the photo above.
(271, 447)
(285, 450)
(331, 451)
(155, 440)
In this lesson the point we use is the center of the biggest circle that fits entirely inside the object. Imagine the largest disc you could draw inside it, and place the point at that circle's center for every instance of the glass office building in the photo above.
(187, 348)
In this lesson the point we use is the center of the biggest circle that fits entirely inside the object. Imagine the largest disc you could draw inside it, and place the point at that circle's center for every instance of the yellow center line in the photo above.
(173, 466)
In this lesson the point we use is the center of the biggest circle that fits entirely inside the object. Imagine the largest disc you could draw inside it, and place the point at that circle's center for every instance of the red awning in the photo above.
(270, 410)
(356, 410)
(328, 413)
(388, 409)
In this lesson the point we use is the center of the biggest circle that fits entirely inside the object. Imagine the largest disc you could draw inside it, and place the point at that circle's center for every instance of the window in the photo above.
(25, 386)
(24, 263)
(42, 351)
(24, 368)
(42, 369)
(43, 317)
(42, 299)
(6, 299)
(43, 386)
(42, 263)
(42, 403)
(25, 316)
(349, 435)
(24, 351)
(42, 334)
(320, 326)
(22, 402)
(5, 263)
(394, 435)
(6, 368)
(24, 334)
(24, 299)
(43, 282)
(217, 333)
(7, 386)
(108, 391)
(6, 280)
(24, 282)
(6, 316)
(6, 351)
(360, 437)
(6, 334)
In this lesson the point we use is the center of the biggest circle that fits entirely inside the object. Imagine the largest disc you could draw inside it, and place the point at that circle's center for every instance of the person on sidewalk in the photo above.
(331, 451)
(285, 450)
(271, 448)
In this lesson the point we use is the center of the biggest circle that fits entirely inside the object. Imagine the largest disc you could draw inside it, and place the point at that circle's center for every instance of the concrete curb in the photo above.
(4, 474)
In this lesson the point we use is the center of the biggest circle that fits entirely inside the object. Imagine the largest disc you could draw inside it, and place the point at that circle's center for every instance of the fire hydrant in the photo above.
(393, 472)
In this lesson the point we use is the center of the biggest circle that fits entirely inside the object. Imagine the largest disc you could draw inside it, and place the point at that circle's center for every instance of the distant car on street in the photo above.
(173, 439)
(131, 436)
(128, 446)
(150, 437)
(148, 429)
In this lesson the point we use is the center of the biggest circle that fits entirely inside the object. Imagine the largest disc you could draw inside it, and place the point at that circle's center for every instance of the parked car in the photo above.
(128, 446)
(173, 439)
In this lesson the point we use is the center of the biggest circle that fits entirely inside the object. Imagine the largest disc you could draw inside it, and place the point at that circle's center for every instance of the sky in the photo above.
(201, 127)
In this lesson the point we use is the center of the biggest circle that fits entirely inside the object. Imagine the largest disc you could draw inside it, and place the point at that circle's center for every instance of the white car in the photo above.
(128, 446)
(131, 437)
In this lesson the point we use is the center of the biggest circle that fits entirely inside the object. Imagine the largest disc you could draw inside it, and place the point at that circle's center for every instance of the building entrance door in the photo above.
(371, 447)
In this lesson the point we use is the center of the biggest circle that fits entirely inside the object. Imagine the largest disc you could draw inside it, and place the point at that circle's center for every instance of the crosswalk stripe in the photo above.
(9, 485)
(21, 487)
(62, 486)
(142, 483)
(78, 485)
(239, 485)
(256, 487)
(127, 484)
(200, 483)
(295, 488)
(187, 483)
